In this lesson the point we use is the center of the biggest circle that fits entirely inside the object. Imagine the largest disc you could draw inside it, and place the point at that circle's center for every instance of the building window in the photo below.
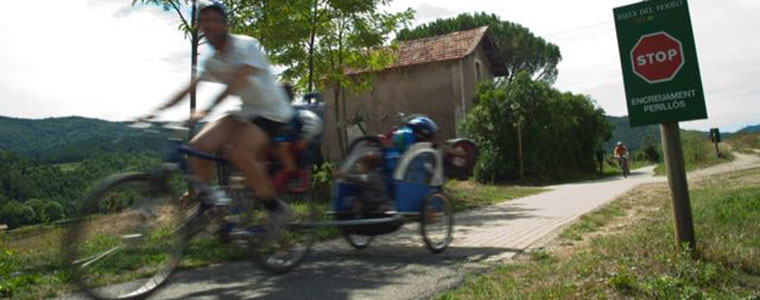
(478, 71)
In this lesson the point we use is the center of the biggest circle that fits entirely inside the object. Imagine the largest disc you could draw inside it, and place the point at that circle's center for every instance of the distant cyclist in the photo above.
(621, 153)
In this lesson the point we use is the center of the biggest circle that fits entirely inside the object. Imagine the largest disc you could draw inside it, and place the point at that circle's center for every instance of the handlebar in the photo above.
(178, 130)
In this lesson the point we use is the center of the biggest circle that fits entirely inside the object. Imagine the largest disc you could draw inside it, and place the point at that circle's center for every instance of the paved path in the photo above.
(398, 266)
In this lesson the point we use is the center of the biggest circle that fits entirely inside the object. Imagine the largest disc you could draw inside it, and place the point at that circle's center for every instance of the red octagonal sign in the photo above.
(657, 57)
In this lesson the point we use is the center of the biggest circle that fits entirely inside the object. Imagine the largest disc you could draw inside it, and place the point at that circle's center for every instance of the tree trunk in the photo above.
(311, 46)
(520, 152)
(336, 90)
(193, 54)
(345, 120)
(339, 89)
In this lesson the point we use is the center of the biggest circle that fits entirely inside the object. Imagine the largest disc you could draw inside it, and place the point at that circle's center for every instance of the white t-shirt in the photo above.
(261, 95)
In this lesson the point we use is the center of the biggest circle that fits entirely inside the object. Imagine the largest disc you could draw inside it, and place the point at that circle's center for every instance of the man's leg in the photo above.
(211, 139)
(248, 154)
(285, 154)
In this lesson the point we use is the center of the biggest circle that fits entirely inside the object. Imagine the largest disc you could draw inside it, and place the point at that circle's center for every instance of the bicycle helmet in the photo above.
(619, 143)
(311, 124)
(423, 126)
(403, 138)
(215, 5)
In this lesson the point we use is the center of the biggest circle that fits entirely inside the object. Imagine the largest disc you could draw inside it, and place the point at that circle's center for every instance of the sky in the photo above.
(106, 59)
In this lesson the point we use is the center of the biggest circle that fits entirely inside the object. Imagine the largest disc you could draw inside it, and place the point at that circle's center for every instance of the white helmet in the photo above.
(312, 124)
(619, 143)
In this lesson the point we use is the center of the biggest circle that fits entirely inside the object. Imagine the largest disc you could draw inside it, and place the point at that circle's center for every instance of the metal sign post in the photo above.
(663, 85)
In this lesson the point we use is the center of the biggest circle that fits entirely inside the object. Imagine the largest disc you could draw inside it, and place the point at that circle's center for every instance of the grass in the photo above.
(592, 222)
(698, 153)
(745, 142)
(626, 250)
(468, 195)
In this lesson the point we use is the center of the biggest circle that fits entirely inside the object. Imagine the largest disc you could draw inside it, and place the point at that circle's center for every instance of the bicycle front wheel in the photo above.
(123, 244)
(281, 251)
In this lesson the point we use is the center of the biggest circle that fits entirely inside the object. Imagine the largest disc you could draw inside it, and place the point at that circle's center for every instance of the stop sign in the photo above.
(657, 57)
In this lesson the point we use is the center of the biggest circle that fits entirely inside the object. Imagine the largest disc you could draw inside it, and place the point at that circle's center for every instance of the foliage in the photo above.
(650, 150)
(698, 152)
(51, 212)
(354, 37)
(316, 40)
(561, 131)
(8, 266)
(72, 139)
(632, 137)
(744, 141)
(47, 192)
(322, 179)
(14, 214)
(521, 50)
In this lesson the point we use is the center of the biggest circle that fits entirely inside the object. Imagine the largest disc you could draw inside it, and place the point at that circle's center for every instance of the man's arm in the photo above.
(238, 81)
(174, 100)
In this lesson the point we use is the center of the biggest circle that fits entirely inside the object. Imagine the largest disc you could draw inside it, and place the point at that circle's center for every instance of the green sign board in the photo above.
(659, 60)
(715, 135)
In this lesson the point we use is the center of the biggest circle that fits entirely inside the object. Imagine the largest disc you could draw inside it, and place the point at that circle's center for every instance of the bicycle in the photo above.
(133, 227)
(623, 162)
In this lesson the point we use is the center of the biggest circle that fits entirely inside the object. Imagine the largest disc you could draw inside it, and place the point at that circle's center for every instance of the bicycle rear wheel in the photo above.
(124, 245)
(437, 222)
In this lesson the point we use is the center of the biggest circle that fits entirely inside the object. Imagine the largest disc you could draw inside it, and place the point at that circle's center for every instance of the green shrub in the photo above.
(560, 131)
(322, 180)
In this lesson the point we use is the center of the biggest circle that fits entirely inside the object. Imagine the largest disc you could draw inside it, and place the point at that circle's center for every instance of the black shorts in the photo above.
(272, 128)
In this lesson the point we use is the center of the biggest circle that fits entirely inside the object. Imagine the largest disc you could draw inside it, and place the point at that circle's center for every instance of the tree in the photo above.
(650, 149)
(15, 214)
(36, 205)
(354, 39)
(561, 131)
(316, 40)
(521, 50)
(288, 30)
(51, 212)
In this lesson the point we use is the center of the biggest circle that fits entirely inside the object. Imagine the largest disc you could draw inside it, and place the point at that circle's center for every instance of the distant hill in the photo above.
(73, 138)
(631, 137)
(751, 129)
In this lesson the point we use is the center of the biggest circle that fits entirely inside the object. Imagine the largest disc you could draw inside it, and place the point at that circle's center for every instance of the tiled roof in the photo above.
(445, 47)
(439, 48)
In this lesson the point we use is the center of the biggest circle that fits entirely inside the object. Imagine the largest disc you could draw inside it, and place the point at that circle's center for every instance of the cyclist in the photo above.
(424, 129)
(370, 177)
(621, 153)
(305, 128)
(418, 129)
(239, 63)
